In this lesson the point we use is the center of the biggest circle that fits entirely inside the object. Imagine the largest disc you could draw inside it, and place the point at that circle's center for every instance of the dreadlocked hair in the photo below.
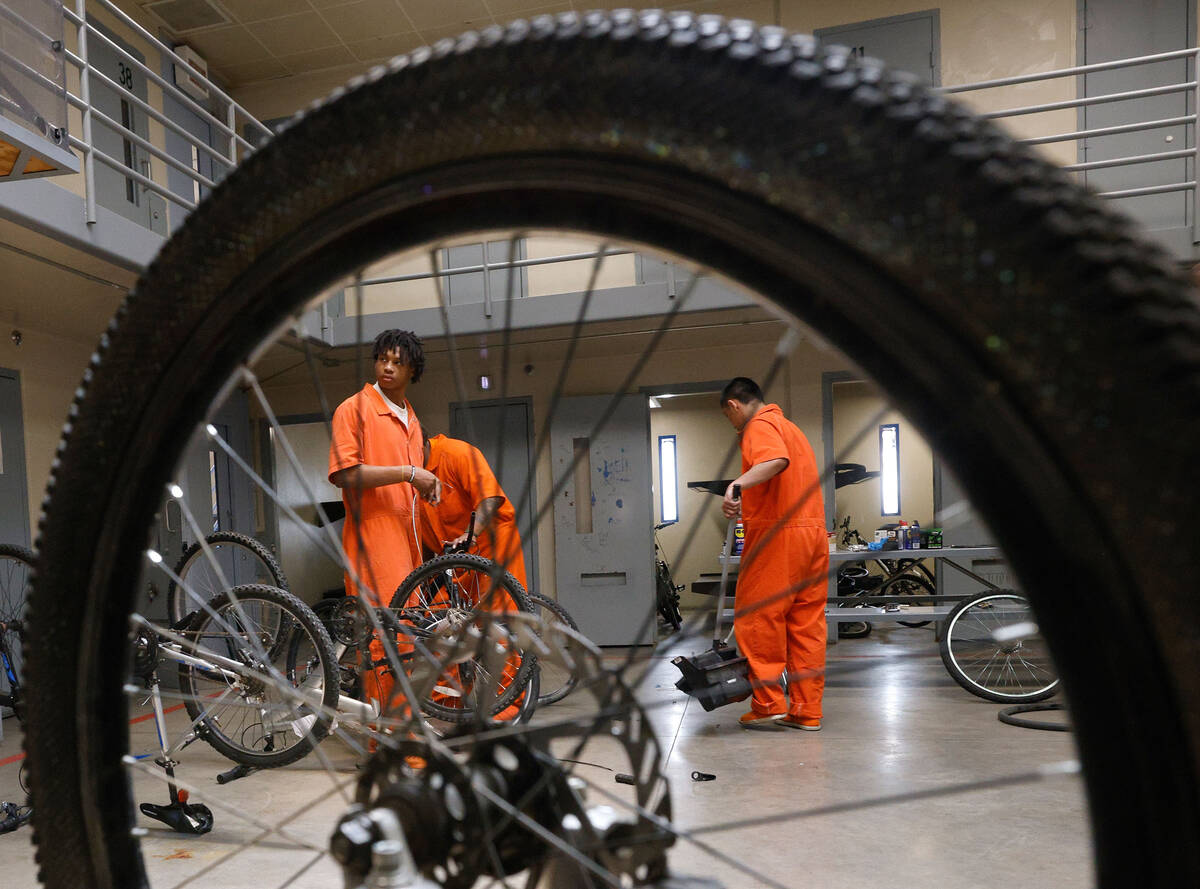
(407, 343)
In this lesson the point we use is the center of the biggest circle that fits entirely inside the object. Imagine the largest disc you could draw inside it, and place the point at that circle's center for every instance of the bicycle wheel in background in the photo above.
(223, 560)
(1041, 348)
(908, 585)
(246, 716)
(667, 597)
(556, 682)
(16, 568)
(452, 590)
(991, 646)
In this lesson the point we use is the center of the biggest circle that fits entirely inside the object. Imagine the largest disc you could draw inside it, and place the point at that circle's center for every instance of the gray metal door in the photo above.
(510, 454)
(907, 42)
(114, 191)
(603, 548)
(14, 491)
(1116, 29)
(183, 150)
(219, 496)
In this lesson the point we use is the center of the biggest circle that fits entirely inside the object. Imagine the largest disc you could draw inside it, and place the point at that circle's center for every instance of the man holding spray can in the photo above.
(781, 592)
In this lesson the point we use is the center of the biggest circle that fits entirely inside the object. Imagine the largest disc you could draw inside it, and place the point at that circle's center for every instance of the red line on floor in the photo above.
(17, 757)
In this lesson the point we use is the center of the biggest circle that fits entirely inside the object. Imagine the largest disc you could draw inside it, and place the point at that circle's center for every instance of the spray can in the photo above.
(913, 541)
(739, 538)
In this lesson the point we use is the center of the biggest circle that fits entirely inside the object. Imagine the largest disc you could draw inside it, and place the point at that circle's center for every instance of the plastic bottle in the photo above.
(914, 536)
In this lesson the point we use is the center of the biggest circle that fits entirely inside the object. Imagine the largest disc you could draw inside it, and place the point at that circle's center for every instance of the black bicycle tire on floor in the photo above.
(563, 616)
(1011, 716)
(512, 587)
(741, 148)
(174, 612)
(299, 614)
(946, 650)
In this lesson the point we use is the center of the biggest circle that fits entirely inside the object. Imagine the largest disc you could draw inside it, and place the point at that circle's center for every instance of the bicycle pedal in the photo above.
(181, 817)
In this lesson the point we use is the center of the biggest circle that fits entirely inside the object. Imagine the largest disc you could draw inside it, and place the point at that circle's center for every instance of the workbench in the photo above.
(872, 607)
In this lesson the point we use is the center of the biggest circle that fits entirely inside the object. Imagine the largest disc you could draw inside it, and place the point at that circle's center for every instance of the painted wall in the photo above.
(51, 367)
(697, 355)
(856, 415)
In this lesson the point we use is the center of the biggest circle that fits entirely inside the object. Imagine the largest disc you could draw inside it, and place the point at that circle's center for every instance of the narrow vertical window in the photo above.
(213, 489)
(582, 448)
(668, 479)
(889, 468)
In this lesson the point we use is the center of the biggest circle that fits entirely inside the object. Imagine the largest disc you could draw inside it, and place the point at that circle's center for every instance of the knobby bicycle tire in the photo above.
(12, 610)
(505, 585)
(295, 618)
(1040, 346)
(178, 607)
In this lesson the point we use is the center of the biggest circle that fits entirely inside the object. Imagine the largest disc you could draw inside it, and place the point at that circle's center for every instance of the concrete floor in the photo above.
(895, 723)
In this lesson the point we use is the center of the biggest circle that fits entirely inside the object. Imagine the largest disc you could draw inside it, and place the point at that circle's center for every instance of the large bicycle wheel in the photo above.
(274, 709)
(1039, 345)
(447, 593)
(224, 559)
(16, 567)
(555, 681)
(992, 648)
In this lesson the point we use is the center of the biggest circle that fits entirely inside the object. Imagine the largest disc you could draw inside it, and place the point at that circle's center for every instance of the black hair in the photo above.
(407, 343)
(742, 389)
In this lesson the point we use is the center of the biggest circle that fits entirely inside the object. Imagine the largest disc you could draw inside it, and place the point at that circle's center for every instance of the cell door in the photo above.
(1115, 29)
(14, 492)
(906, 42)
(114, 191)
(603, 513)
(504, 434)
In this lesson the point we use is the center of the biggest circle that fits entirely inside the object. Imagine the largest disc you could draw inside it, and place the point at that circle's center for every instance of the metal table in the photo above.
(876, 613)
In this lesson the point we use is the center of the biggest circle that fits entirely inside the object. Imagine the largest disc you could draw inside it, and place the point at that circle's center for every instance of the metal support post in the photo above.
(85, 95)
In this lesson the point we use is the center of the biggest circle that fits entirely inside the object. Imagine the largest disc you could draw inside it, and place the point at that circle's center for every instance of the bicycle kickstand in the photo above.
(179, 815)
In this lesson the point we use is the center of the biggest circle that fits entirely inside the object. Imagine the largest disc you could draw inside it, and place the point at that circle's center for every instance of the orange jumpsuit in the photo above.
(379, 536)
(781, 589)
(467, 481)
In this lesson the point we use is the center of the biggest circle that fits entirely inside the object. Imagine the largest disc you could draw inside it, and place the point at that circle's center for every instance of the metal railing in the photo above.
(231, 147)
(1187, 87)
(225, 126)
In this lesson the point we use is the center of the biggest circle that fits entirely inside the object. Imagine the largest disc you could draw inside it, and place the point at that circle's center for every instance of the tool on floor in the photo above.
(622, 778)
(703, 776)
(719, 676)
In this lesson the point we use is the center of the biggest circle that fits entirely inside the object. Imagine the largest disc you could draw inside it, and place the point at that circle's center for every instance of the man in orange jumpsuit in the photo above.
(781, 590)
(469, 485)
(375, 457)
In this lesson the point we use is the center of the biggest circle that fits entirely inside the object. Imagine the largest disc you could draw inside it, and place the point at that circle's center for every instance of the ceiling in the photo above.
(247, 41)
(33, 267)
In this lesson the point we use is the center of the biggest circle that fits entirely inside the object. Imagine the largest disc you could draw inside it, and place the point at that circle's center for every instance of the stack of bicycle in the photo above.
(265, 677)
